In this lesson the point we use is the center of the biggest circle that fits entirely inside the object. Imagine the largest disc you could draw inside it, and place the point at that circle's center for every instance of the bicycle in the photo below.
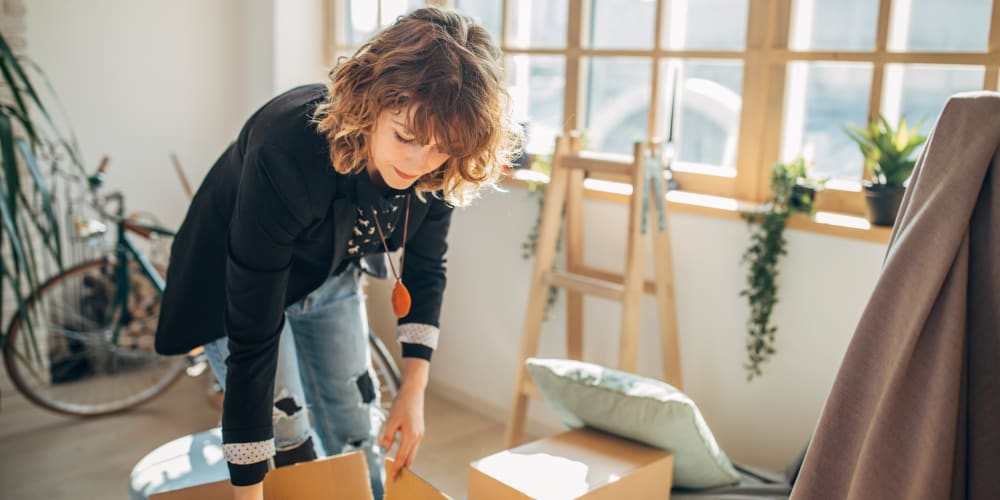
(89, 349)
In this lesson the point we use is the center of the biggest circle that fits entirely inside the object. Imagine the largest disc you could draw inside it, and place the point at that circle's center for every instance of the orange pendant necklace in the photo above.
(400, 295)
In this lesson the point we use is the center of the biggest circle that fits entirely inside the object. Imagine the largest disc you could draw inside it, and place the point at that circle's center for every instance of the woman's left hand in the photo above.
(406, 417)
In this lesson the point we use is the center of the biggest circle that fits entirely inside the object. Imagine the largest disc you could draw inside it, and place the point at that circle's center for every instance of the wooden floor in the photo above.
(51, 457)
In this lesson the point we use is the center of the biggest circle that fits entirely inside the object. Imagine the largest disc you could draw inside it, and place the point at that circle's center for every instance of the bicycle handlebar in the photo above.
(97, 180)
(101, 202)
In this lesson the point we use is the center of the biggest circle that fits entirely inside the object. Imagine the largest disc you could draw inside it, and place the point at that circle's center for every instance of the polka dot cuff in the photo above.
(248, 453)
(418, 333)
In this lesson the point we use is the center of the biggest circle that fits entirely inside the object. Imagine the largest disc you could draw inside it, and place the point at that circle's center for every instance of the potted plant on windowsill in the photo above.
(793, 190)
(889, 158)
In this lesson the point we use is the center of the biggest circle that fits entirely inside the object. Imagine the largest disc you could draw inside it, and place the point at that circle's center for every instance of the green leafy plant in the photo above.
(793, 191)
(29, 134)
(888, 153)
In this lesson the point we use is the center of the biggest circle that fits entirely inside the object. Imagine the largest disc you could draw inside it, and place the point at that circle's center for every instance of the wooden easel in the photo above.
(647, 213)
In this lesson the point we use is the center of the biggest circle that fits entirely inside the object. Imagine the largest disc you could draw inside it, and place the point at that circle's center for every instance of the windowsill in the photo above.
(829, 223)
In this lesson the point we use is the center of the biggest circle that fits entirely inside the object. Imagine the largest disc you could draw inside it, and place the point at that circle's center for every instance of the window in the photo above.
(852, 61)
(734, 85)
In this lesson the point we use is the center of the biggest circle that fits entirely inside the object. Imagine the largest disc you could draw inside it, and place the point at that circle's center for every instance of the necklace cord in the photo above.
(381, 235)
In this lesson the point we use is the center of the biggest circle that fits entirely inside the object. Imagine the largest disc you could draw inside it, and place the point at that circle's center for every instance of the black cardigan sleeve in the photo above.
(424, 271)
(271, 210)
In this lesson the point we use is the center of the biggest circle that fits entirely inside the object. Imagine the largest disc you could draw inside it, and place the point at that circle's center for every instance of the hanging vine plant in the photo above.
(792, 191)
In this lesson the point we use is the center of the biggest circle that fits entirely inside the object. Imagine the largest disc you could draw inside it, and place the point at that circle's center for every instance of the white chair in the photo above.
(186, 461)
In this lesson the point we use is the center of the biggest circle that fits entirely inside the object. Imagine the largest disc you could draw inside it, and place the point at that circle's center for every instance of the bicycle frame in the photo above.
(124, 250)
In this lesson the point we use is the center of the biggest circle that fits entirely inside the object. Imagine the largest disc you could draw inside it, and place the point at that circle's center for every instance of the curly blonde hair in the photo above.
(449, 68)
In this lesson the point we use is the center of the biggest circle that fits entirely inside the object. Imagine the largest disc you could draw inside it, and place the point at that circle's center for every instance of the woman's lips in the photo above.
(403, 175)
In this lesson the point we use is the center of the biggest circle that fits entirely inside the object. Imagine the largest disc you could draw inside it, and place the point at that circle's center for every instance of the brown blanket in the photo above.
(915, 410)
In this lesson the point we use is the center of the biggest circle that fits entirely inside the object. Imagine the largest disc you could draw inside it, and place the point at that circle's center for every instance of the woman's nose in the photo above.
(420, 159)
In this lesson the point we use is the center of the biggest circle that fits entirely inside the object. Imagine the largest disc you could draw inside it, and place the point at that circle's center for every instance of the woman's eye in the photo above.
(403, 139)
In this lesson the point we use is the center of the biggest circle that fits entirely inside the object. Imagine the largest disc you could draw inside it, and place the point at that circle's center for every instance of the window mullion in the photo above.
(878, 66)
(335, 35)
(574, 81)
(993, 70)
(764, 88)
(504, 24)
(653, 124)
(754, 97)
(779, 29)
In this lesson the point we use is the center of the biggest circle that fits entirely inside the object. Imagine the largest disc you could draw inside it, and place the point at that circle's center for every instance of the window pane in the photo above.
(392, 9)
(617, 102)
(706, 109)
(622, 24)
(940, 25)
(834, 24)
(705, 24)
(360, 20)
(488, 13)
(537, 85)
(537, 24)
(820, 100)
(918, 92)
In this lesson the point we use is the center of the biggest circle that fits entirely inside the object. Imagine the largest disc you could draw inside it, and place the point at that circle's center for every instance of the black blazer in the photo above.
(268, 225)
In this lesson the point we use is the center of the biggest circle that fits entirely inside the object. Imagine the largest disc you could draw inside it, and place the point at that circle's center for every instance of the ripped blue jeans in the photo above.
(324, 361)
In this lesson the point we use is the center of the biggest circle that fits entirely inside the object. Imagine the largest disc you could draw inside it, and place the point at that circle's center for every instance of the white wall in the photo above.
(283, 45)
(300, 39)
(256, 54)
(824, 284)
(140, 78)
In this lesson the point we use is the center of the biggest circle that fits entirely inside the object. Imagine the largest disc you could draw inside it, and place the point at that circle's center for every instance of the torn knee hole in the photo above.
(287, 404)
(366, 387)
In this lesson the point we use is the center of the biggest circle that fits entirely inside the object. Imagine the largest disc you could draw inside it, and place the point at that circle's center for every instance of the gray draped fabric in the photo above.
(914, 412)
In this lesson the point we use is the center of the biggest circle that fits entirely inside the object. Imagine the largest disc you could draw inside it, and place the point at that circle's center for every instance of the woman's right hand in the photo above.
(252, 492)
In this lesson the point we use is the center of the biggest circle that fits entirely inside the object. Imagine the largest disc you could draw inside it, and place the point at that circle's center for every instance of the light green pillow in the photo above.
(638, 408)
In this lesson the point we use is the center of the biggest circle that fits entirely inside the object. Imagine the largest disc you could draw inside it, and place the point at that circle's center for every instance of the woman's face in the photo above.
(396, 156)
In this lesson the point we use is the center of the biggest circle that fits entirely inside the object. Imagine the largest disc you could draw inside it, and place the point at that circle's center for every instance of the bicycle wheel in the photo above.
(80, 357)
(386, 370)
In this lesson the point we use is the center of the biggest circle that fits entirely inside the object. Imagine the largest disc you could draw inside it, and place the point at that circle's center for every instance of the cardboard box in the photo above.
(581, 463)
(343, 477)
(409, 486)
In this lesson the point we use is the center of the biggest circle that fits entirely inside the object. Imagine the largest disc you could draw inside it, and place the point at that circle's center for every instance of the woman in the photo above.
(320, 184)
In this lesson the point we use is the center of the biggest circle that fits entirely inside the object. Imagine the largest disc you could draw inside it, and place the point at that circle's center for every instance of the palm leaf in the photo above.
(15, 282)
(23, 210)
(12, 69)
(65, 138)
(51, 235)
(887, 151)
(17, 241)
(13, 184)
(6, 61)
(31, 277)
(11, 65)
